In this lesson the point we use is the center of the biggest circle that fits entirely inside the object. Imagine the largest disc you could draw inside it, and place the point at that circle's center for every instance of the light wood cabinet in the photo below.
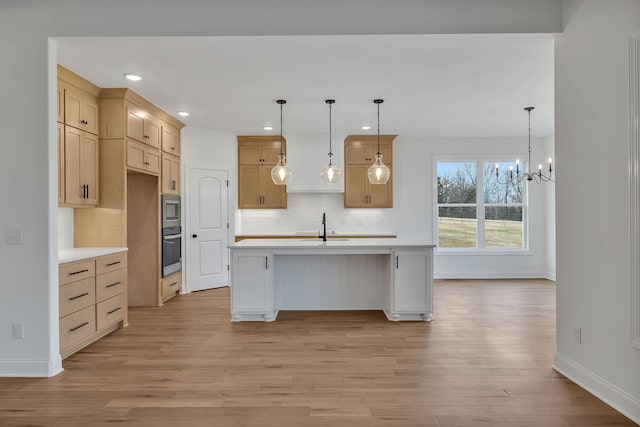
(143, 127)
(60, 101)
(143, 158)
(80, 109)
(60, 130)
(170, 140)
(171, 286)
(80, 167)
(359, 153)
(92, 300)
(170, 174)
(257, 155)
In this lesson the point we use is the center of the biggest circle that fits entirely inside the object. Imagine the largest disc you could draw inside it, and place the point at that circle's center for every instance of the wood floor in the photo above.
(485, 360)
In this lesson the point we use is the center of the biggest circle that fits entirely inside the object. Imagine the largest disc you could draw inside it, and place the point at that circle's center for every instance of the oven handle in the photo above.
(172, 236)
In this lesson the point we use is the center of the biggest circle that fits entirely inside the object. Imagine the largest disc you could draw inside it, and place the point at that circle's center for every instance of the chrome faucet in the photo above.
(324, 227)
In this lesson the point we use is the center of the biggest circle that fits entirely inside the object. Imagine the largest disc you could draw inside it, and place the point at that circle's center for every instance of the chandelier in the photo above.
(519, 176)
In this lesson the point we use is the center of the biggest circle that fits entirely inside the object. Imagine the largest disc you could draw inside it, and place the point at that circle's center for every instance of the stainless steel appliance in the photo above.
(171, 250)
(170, 210)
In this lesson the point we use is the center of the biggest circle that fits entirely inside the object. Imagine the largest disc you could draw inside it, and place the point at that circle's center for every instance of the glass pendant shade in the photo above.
(331, 174)
(378, 172)
(281, 174)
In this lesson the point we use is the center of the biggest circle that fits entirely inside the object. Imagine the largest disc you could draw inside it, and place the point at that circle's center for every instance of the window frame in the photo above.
(480, 206)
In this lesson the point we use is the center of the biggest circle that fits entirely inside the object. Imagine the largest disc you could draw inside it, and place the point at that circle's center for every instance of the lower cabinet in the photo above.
(171, 286)
(412, 284)
(252, 286)
(92, 300)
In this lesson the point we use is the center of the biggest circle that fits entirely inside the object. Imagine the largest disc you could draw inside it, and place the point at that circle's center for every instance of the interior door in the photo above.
(208, 233)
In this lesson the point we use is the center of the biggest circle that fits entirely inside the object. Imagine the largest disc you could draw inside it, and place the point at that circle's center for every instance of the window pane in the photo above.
(456, 182)
(503, 227)
(501, 189)
(457, 227)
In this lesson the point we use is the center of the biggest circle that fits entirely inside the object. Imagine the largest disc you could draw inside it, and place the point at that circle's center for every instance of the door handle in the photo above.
(194, 235)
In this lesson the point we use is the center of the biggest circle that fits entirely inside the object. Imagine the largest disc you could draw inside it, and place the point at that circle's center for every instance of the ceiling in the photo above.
(432, 85)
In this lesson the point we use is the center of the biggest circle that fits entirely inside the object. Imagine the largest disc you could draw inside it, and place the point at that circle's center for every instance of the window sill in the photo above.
(483, 252)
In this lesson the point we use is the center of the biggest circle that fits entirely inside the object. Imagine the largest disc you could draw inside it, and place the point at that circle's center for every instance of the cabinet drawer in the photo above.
(107, 263)
(76, 296)
(171, 284)
(110, 284)
(77, 326)
(110, 311)
(74, 271)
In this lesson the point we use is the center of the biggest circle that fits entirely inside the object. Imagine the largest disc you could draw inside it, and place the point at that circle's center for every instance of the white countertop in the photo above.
(304, 234)
(316, 243)
(77, 254)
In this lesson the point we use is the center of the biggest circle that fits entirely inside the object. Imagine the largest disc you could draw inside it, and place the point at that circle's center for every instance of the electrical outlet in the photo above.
(577, 334)
(17, 331)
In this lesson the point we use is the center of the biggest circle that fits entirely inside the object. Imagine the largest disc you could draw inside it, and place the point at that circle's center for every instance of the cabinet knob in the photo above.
(146, 136)
(194, 235)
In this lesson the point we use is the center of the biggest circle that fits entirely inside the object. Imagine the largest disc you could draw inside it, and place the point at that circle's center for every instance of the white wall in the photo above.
(592, 145)
(412, 216)
(28, 150)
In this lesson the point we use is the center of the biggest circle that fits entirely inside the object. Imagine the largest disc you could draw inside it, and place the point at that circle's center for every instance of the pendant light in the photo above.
(281, 174)
(330, 173)
(378, 172)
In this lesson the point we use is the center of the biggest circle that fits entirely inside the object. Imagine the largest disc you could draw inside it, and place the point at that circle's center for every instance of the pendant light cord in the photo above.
(330, 145)
(281, 102)
(529, 146)
(378, 102)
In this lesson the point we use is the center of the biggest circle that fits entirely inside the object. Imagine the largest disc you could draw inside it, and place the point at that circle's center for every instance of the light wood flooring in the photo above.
(485, 360)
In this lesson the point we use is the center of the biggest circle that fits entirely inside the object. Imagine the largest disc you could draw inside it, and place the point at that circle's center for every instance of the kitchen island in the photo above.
(269, 275)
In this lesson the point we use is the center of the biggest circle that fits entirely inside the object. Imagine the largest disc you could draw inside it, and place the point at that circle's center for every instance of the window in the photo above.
(478, 210)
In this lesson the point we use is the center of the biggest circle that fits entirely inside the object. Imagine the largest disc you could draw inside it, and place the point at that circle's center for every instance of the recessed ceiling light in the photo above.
(268, 128)
(133, 77)
(365, 127)
(183, 113)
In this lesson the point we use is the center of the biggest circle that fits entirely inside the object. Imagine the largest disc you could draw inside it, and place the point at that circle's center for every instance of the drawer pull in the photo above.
(78, 272)
(173, 284)
(112, 285)
(78, 327)
(78, 296)
(112, 263)
(114, 310)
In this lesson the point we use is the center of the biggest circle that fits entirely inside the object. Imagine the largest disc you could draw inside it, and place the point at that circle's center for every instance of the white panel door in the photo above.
(208, 233)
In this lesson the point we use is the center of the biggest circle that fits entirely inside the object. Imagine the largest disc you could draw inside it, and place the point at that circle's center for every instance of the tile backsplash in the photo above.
(304, 214)
(65, 228)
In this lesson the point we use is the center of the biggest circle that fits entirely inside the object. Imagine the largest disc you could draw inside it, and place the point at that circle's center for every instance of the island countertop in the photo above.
(337, 243)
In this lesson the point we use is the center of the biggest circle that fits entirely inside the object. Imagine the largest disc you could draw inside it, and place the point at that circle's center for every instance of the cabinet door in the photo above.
(357, 152)
(89, 114)
(412, 281)
(135, 124)
(381, 195)
(271, 151)
(385, 149)
(74, 192)
(89, 167)
(251, 287)
(135, 155)
(152, 132)
(170, 174)
(152, 160)
(249, 191)
(249, 154)
(170, 140)
(273, 196)
(355, 186)
(73, 107)
(60, 163)
(60, 101)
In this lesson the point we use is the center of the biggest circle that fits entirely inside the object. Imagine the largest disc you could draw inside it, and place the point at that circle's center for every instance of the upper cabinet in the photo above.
(170, 140)
(144, 128)
(257, 155)
(170, 174)
(77, 140)
(360, 153)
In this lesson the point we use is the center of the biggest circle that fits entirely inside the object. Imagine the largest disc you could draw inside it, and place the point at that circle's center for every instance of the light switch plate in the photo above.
(14, 236)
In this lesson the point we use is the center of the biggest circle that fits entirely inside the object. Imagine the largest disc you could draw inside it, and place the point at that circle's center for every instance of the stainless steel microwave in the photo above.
(170, 210)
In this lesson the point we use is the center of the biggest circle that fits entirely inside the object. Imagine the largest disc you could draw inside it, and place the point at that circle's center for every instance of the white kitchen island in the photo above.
(269, 275)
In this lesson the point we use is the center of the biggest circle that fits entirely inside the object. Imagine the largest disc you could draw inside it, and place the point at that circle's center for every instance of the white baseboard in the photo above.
(599, 387)
(550, 275)
(42, 368)
(502, 274)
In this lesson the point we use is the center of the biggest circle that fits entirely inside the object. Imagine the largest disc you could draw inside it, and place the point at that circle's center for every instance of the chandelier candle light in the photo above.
(519, 176)
(330, 173)
(378, 172)
(281, 174)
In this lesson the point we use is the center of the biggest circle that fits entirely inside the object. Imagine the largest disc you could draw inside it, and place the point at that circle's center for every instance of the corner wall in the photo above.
(592, 146)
